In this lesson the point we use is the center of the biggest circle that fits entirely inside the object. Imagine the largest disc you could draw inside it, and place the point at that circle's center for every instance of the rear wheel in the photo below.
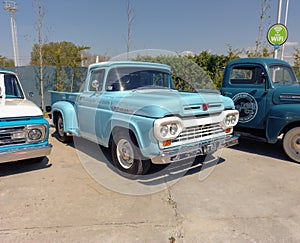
(61, 135)
(291, 144)
(126, 154)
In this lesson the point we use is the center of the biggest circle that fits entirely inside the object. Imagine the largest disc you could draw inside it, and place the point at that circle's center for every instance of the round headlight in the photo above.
(233, 119)
(173, 129)
(227, 121)
(164, 131)
(35, 134)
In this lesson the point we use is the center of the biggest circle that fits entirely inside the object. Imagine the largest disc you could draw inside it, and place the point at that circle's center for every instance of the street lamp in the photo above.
(285, 23)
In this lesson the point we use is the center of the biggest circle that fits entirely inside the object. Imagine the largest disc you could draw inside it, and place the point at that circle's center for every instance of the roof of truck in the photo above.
(7, 71)
(129, 63)
(258, 60)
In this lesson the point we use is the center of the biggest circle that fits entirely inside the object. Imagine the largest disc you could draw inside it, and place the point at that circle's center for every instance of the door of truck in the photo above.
(246, 85)
(88, 105)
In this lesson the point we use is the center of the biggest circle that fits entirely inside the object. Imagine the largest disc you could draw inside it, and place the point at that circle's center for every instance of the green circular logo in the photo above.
(277, 34)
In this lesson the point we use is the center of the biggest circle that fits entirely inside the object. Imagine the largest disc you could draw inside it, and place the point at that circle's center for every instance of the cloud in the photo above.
(291, 43)
(187, 53)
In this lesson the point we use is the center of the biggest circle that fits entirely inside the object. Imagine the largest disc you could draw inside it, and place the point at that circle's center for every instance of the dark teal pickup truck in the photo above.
(267, 95)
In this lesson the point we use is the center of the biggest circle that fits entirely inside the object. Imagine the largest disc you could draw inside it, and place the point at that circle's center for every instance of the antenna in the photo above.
(11, 6)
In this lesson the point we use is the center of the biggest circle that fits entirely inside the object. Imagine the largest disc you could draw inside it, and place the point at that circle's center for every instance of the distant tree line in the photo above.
(210, 73)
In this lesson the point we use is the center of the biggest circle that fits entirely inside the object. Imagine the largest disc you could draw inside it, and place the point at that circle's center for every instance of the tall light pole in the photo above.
(11, 6)
(278, 22)
(285, 23)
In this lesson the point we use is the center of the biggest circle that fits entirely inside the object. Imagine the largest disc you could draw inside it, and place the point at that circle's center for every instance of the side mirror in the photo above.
(264, 75)
(30, 94)
(95, 85)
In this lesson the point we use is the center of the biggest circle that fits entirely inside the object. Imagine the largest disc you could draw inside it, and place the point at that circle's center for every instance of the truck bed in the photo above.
(59, 96)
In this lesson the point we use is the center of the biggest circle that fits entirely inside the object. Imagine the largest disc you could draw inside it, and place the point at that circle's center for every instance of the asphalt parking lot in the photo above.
(252, 194)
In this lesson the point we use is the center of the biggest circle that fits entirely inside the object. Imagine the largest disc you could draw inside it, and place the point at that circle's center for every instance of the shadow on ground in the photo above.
(23, 166)
(261, 148)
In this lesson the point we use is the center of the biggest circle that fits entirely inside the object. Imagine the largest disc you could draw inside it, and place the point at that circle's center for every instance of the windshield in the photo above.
(129, 78)
(9, 86)
(282, 74)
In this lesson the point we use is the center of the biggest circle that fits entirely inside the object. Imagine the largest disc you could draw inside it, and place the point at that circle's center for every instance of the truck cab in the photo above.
(266, 93)
(23, 129)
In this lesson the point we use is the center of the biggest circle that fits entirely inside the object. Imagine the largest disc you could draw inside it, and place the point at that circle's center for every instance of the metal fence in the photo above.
(30, 79)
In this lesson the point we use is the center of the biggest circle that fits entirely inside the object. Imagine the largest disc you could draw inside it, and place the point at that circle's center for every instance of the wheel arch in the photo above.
(290, 126)
(68, 113)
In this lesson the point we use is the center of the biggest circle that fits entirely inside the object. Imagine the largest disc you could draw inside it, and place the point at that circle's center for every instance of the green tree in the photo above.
(297, 63)
(5, 62)
(58, 54)
(213, 65)
(265, 52)
(187, 75)
(233, 54)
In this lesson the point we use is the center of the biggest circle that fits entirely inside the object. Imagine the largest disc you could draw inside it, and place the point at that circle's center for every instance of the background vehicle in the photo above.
(267, 95)
(23, 129)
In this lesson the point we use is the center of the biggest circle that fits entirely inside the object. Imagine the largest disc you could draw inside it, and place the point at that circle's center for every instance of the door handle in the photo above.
(227, 93)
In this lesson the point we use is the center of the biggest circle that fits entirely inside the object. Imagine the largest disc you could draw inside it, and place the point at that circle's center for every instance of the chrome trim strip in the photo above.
(192, 151)
(24, 153)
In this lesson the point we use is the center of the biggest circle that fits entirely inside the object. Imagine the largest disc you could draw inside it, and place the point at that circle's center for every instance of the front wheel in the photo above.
(126, 154)
(291, 144)
(61, 135)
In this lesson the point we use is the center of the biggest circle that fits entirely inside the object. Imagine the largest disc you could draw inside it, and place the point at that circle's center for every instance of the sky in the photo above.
(172, 25)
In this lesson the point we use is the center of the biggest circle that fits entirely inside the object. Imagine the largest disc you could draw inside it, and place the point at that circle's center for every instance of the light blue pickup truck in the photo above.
(23, 129)
(134, 108)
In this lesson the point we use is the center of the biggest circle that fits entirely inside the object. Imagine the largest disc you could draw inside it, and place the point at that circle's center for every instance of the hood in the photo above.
(286, 94)
(10, 108)
(160, 103)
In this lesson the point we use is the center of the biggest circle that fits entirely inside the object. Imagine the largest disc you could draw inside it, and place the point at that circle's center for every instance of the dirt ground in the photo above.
(251, 195)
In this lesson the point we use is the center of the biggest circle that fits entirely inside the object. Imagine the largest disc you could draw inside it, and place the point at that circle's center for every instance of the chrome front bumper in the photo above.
(186, 152)
(25, 153)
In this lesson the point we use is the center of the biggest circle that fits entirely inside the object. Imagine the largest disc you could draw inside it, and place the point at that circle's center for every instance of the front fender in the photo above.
(142, 127)
(279, 117)
(68, 112)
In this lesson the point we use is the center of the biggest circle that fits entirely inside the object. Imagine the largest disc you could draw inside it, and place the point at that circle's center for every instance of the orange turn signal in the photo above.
(167, 143)
(228, 130)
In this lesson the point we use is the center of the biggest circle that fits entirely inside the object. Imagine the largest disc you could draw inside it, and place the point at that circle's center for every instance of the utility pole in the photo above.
(130, 18)
(40, 44)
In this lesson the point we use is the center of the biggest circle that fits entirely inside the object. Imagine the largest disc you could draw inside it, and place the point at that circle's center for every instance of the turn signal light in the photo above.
(167, 143)
(228, 130)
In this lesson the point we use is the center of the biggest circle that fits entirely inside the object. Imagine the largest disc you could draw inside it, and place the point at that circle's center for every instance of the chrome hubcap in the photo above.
(296, 143)
(60, 127)
(125, 153)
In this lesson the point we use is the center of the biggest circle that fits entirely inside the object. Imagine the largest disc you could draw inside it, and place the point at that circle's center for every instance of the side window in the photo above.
(282, 74)
(246, 75)
(96, 75)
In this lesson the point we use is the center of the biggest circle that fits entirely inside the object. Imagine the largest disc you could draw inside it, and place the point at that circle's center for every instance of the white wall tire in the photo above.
(291, 144)
(126, 155)
(61, 135)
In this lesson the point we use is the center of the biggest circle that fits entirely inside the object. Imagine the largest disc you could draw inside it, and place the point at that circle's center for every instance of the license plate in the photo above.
(210, 148)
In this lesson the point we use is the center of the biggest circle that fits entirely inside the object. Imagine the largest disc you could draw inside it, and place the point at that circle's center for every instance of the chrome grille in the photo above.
(198, 133)
(8, 135)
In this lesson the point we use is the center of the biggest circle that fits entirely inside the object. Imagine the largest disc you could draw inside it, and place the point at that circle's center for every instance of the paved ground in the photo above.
(251, 195)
